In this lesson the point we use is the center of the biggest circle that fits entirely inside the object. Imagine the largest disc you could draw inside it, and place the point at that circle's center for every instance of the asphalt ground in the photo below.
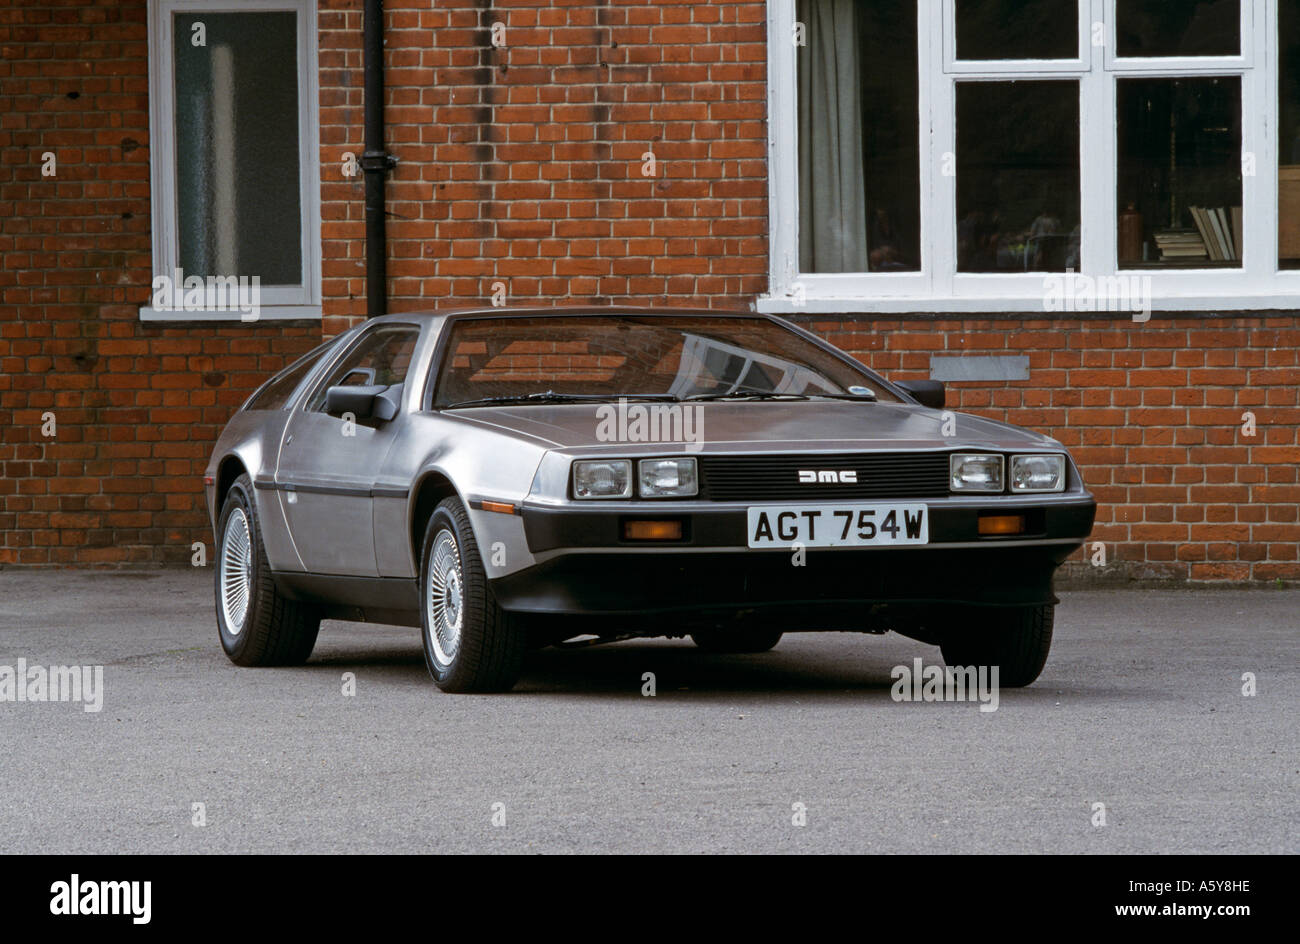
(1140, 708)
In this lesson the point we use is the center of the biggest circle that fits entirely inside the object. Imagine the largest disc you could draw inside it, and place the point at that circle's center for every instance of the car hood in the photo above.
(814, 425)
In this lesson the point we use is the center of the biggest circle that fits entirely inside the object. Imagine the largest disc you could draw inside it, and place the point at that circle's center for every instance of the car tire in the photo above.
(257, 624)
(470, 643)
(1015, 639)
(737, 640)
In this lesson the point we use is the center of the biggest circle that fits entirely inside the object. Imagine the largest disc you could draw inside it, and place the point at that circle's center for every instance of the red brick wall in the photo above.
(136, 407)
(1154, 414)
(523, 163)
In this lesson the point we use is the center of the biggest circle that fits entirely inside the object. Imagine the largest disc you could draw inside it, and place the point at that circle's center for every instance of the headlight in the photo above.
(602, 478)
(1038, 473)
(668, 478)
(975, 472)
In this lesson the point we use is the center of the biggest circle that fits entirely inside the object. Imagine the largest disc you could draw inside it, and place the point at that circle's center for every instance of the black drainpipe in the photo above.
(375, 161)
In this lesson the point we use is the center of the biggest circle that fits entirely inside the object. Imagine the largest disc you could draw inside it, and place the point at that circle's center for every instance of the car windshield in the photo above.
(555, 358)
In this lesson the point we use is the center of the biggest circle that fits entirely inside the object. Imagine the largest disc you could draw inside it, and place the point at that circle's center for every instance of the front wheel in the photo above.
(470, 643)
(258, 625)
(1015, 639)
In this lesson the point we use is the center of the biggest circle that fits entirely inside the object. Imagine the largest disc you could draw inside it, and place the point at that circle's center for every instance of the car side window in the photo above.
(275, 393)
(381, 358)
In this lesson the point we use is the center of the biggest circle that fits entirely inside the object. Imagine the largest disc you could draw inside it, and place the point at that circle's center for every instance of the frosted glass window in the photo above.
(238, 190)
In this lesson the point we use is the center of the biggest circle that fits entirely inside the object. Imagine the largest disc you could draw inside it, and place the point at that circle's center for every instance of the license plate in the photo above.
(838, 525)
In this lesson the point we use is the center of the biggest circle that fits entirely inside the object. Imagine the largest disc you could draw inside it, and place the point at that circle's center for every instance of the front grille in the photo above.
(881, 475)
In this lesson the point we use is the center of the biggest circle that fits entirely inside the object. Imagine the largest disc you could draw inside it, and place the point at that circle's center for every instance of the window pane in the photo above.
(859, 131)
(380, 359)
(237, 181)
(277, 391)
(1179, 172)
(1017, 176)
(1181, 28)
(1288, 209)
(1017, 29)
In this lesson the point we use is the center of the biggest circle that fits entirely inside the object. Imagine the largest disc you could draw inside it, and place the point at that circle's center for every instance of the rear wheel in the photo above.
(470, 643)
(257, 624)
(737, 640)
(1015, 639)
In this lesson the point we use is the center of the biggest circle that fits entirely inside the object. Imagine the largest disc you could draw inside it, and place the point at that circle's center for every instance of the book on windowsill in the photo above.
(1220, 228)
(1180, 244)
(1202, 220)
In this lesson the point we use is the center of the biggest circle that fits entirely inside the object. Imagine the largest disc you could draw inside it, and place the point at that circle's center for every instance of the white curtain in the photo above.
(832, 192)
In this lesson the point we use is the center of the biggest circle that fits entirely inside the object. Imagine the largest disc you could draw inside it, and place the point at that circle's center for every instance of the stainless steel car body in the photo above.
(341, 505)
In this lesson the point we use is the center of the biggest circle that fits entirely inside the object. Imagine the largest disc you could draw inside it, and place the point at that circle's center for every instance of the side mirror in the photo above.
(926, 392)
(365, 401)
(357, 399)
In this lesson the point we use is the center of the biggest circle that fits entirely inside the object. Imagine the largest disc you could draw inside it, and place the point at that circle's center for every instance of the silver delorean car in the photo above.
(512, 479)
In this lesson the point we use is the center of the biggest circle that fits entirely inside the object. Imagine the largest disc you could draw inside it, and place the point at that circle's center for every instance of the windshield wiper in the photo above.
(770, 395)
(744, 395)
(550, 396)
(859, 397)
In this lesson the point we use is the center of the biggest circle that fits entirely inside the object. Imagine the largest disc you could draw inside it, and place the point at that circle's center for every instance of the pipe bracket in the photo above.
(380, 161)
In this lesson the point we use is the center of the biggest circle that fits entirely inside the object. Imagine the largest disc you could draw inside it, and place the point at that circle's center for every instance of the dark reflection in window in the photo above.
(1288, 209)
(859, 137)
(1179, 172)
(891, 135)
(1182, 28)
(1017, 29)
(1017, 176)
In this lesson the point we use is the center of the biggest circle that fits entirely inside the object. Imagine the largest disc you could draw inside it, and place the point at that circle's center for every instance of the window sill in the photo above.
(1019, 304)
(265, 313)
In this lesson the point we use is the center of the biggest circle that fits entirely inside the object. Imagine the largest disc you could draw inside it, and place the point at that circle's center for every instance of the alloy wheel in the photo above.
(236, 570)
(445, 597)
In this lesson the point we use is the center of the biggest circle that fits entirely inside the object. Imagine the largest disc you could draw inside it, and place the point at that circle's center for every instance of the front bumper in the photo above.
(588, 568)
(714, 526)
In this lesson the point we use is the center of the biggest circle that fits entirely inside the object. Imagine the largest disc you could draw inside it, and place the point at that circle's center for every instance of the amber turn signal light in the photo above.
(1001, 524)
(501, 508)
(652, 530)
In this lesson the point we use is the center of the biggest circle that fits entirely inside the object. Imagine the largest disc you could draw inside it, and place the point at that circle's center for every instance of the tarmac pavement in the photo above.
(1140, 708)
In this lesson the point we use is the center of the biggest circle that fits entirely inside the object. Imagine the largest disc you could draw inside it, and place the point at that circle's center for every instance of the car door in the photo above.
(328, 464)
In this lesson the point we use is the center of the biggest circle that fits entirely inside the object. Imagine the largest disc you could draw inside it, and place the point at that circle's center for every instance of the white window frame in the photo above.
(1260, 284)
(278, 302)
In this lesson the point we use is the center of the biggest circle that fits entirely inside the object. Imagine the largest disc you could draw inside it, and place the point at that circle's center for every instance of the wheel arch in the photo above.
(231, 468)
(432, 487)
